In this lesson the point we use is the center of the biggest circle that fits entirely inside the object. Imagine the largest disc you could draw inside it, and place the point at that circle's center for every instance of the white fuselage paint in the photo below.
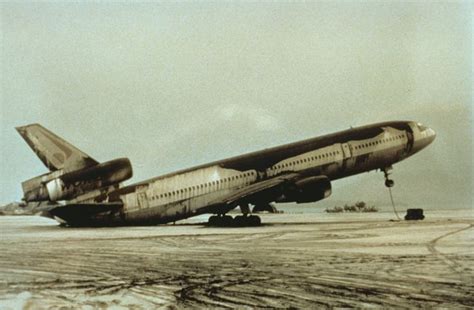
(184, 195)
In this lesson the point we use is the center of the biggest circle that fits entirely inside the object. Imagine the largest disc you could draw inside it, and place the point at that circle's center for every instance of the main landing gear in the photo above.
(238, 221)
(243, 220)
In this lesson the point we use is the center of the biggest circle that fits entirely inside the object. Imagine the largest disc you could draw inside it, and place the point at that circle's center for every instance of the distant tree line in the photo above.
(359, 206)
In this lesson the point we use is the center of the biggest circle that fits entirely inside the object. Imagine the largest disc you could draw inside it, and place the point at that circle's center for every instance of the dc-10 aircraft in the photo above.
(88, 193)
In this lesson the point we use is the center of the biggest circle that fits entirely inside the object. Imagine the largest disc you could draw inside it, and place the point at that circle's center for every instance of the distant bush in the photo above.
(335, 210)
(359, 206)
(370, 209)
(348, 208)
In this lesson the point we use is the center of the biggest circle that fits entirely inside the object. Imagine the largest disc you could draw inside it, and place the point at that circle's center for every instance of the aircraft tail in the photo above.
(54, 152)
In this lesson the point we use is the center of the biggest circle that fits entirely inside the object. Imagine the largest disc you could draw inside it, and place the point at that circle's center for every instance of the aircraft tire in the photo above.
(226, 221)
(389, 183)
(254, 220)
(213, 221)
(240, 221)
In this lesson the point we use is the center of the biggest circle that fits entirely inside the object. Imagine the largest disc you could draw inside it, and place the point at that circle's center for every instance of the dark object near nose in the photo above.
(414, 214)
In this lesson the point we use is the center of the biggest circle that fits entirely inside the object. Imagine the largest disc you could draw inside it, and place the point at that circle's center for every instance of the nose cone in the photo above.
(424, 138)
(430, 135)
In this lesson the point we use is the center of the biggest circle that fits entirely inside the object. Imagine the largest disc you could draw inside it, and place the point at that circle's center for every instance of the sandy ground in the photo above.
(294, 260)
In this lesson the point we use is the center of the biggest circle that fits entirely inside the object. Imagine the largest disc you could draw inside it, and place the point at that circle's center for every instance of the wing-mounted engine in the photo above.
(309, 189)
(58, 185)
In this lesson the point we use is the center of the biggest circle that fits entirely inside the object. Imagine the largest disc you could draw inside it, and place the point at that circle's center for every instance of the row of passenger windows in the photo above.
(357, 147)
(307, 160)
(285, 165)
(207, 185)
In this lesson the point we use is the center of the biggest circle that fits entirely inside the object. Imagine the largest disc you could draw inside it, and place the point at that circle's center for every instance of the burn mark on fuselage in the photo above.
(362, 159)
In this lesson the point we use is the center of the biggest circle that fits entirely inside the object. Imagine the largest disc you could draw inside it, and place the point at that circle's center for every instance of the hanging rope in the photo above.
(393, 204)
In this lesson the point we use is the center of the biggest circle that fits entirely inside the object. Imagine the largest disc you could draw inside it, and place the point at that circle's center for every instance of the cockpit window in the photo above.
(421, 127)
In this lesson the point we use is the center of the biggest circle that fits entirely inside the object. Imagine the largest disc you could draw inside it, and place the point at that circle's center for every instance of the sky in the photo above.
(173, 85)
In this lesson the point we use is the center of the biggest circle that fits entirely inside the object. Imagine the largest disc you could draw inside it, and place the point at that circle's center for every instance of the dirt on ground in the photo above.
(286, 263)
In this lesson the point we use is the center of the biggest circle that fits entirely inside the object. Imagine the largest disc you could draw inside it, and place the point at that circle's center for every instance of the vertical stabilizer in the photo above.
(54, 152)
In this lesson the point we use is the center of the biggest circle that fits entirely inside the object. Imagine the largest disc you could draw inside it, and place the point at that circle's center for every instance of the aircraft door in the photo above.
(346, 151)
(142, 199)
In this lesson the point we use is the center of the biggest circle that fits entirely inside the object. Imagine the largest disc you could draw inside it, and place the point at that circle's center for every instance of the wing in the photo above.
(265, 191)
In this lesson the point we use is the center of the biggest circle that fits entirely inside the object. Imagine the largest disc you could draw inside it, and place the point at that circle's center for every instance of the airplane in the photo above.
(85, 192)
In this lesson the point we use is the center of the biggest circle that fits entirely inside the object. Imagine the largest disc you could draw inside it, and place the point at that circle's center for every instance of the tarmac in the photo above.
(292, 261)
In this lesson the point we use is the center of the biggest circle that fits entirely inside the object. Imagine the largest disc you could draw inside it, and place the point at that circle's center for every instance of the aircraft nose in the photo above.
(428, 136)
(431, 135)
(424, 137)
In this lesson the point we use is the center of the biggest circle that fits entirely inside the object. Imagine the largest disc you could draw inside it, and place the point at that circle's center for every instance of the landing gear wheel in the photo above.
(220, 221)
(387, 172)
(254, 220)
(226, 221)
(246, 221)
(389, 183)
(213, 221)
(240, 221)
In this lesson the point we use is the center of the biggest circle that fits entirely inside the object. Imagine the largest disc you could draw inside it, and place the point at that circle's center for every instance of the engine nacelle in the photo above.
(61, 186)
(309, 189)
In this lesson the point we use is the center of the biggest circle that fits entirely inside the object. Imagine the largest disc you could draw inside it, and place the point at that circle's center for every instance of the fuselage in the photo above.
(188, 192)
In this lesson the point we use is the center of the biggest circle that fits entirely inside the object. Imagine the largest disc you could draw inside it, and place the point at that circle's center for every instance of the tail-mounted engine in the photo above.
(58, 185)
